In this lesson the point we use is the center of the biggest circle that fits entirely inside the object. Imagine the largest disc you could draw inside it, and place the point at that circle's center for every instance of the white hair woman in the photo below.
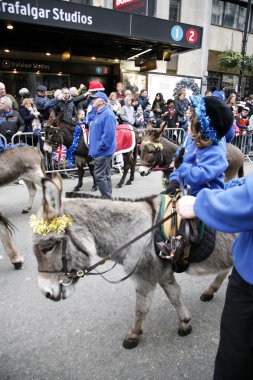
(11, 122)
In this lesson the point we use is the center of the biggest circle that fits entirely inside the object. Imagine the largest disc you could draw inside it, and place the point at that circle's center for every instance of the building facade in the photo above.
(202, 30)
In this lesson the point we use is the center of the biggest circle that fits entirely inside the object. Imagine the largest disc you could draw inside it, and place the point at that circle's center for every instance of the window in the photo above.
(230, 14)
(217, 12)
(174, 10)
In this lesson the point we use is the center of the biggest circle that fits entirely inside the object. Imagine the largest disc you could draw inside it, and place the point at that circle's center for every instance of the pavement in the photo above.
(81, 337)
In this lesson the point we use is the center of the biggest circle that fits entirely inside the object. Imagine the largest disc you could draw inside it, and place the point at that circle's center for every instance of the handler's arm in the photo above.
(227, 210)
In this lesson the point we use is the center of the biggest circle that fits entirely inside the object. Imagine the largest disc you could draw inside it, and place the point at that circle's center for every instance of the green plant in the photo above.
(248, 64)
(229, 58)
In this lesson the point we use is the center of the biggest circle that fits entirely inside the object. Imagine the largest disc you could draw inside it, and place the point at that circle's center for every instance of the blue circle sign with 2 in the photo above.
(177, 33)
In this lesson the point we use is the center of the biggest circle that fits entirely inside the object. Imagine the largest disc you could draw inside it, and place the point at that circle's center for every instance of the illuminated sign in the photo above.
(131, 6)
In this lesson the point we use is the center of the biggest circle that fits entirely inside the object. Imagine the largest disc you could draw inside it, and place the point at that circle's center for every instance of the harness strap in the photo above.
(85, 271)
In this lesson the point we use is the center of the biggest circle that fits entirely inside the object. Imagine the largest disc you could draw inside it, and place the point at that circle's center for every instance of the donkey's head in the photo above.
(56, 246)
(53, 138)
(151, 149)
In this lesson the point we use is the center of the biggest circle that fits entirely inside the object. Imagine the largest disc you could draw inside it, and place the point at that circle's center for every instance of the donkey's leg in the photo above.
(94, 186)
(133, 160)
(5, 235)
(32, 191)
(207, 295)
(80, 172)
(144, 298)
(173, 292)
(126, 169)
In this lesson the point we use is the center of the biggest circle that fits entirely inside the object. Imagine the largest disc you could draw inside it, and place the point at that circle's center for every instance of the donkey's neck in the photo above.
(111, 224)
(169, 149)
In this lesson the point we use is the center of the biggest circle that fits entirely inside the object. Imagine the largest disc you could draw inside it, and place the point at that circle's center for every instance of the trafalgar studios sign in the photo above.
(131, 6)
(64, 14)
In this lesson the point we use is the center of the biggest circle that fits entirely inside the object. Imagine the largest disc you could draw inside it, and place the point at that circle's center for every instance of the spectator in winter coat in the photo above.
(143, 99)
(169, 114)
(66, 107)
(11, 122)
(32, 119)
(181, 104)
(43, 103)
(158, 105)
(102, 142)
(148, 114)
(3, 93)
(127, 113)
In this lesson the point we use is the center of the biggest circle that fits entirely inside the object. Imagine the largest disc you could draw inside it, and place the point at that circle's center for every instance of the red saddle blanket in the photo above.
(125, 138)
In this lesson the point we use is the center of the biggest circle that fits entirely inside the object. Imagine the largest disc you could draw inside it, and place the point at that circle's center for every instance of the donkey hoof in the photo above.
(130, 343)
(118, 186)
(94, 188)
(76, 188)
(25, 211)
(128, 183)
(184, 332)
(18, 266)
(206, 297)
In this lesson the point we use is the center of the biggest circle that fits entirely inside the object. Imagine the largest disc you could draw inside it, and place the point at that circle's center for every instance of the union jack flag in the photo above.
(60, 153)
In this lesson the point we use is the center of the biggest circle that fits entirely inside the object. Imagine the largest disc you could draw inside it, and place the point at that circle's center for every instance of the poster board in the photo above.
(169, 85)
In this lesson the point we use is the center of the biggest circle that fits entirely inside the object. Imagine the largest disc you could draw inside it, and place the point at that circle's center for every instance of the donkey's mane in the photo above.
(91, 196)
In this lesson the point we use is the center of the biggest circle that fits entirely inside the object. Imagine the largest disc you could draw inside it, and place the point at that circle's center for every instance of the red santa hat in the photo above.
(95, 86)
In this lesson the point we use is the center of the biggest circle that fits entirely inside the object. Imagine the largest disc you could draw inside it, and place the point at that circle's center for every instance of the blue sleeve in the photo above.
(230, 134)
(109, 132)
(211, 164)
(228, 210)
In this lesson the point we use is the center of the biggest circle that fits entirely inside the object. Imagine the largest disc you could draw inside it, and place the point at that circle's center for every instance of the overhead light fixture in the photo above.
(48, 53)
(66, 56)
(93, 58)
(6, 50)
(116, 60)
(60, 73)
(37, 72)
(10, 26)
(137, 55)
(14, 71)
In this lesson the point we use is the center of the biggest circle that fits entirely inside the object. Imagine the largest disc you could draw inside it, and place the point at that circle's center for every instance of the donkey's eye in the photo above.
(47, 246)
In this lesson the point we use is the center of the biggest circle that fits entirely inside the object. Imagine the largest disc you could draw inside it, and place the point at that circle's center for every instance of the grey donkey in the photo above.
(99, 227)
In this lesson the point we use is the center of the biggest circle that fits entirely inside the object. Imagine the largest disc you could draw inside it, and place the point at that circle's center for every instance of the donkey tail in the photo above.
(7, 223)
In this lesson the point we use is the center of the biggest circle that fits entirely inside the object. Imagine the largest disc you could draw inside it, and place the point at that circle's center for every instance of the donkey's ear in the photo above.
(149, 129)
(51, 199)
(159, 131)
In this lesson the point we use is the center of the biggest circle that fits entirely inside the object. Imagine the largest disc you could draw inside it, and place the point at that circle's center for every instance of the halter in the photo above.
(66, 278)
(158, 159)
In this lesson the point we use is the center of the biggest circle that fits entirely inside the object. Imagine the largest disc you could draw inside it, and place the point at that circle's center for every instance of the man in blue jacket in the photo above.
(231, 210)
(102, 142)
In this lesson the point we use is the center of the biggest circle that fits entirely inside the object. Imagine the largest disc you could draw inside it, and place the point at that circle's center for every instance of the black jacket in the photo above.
(11, 123)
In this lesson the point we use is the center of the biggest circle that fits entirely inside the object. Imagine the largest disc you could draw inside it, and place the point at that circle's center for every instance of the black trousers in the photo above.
(234, 360)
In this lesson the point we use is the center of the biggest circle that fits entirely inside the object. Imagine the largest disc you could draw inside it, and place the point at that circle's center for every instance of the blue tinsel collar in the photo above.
(73, 147)
(208, 132)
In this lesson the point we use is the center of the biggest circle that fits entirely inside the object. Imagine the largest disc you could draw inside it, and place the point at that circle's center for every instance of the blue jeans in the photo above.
(102, 174)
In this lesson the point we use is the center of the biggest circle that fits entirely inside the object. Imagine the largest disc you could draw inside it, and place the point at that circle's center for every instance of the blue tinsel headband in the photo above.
(207, 130)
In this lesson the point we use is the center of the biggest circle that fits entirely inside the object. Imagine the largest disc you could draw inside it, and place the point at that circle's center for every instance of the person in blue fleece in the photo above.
(231, 210)
(102, 142)
(204, 159)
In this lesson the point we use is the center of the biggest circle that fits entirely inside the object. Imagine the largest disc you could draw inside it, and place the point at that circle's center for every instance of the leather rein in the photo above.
(66, 278)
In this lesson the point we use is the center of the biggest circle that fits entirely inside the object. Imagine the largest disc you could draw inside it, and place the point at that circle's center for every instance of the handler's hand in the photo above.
(185, 207)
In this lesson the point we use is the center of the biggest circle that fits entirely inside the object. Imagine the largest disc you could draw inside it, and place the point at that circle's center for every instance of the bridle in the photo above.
(55, 144)
(66, 278)
(158, 157)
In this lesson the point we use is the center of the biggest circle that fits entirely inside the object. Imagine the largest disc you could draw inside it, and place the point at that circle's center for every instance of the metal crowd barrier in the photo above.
(244, 143)
(3, 140)
(50, 165)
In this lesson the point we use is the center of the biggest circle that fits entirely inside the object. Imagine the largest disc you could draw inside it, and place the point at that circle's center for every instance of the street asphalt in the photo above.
(81, 337)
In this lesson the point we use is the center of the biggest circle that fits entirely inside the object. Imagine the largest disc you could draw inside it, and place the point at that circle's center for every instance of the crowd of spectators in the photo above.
(29, 114)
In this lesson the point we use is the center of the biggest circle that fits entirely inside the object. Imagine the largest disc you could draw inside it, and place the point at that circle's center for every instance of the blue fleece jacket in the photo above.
(103, 134)
(202, 168)
(231, 210)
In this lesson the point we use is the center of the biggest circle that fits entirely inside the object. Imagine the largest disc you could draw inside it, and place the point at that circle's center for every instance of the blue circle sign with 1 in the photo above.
(177, 33)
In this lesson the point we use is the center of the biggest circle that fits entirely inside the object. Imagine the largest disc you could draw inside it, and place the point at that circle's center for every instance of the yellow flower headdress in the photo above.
(44, 227)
